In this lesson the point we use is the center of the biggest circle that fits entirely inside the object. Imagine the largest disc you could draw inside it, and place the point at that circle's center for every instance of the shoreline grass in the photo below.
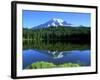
(42, 65)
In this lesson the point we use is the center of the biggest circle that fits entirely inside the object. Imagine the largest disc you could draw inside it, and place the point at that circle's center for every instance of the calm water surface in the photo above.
(76, 56)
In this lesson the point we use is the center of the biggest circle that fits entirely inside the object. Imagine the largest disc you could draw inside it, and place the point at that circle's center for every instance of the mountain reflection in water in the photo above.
(57, 53)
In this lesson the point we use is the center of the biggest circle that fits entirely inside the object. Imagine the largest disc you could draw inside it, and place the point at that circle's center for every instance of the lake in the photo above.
(56, 53)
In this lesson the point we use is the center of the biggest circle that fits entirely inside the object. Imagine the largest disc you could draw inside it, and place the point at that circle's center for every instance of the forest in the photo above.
(60, 33)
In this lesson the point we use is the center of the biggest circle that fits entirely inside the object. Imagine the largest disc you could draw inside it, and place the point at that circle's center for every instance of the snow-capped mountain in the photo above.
(55, 22)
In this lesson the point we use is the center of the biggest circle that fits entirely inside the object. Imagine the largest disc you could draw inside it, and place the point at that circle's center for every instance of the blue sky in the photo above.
(34, 18)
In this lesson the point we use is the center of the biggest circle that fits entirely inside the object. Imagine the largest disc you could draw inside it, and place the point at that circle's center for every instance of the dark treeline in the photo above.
(74, 34)
(54, 45)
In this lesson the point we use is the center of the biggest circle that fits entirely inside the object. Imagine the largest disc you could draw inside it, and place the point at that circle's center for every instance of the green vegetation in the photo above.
(41, 65)
(60, 33)
(70, 38)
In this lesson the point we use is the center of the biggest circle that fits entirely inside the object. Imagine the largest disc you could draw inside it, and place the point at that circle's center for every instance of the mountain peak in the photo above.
(58, 19)
(54, 22)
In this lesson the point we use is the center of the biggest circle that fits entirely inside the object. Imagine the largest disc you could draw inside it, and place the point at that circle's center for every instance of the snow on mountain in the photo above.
(55, 22)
